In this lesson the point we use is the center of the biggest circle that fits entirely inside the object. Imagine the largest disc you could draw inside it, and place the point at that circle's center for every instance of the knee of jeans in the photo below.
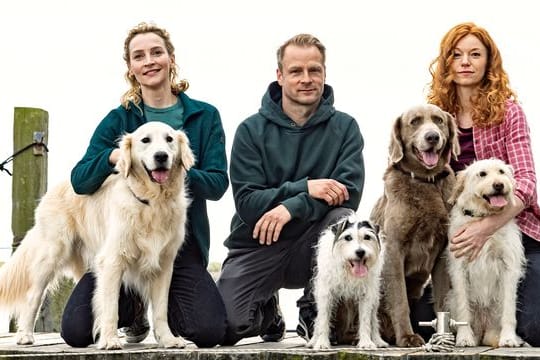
(74, 336)
(528, 330)
(209, 336)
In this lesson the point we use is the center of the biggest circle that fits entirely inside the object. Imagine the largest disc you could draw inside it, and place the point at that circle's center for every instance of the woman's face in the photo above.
(469, 61)
(149, 60)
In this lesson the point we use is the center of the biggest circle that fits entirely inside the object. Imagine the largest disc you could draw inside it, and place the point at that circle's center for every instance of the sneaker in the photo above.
(276, 330)
(303, 330)
(139, 330)
(306, 320)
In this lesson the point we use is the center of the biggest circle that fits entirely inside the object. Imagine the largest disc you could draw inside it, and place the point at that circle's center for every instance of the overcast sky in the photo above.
(66, 57)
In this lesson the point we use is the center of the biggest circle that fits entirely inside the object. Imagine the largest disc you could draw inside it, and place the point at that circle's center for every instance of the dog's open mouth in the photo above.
(358, 268)
(159, 175)
(497, 200)
(429, 158)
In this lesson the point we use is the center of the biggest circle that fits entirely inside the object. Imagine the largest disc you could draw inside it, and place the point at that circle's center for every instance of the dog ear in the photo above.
(458, 187)
(396, 143)
(124, 162)
(454, 140)
(186, 158)
(338, 227)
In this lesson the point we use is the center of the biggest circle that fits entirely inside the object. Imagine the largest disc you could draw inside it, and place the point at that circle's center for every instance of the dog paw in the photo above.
(410, 340)
(111, 343)
(172, 342)
(380, 343)
(465, 337)
(366, 344)
(319, 343)
(511, 341)
(25, 338)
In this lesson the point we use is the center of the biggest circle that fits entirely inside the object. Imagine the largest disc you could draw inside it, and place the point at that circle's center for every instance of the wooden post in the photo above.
(29, 169)
(29, 173)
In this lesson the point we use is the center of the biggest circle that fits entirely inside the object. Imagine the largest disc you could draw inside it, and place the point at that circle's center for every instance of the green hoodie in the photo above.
(207, 180)
(272, 159)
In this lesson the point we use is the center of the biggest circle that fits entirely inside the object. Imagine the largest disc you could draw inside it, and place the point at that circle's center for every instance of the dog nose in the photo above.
(360, 253)
(498, 186)
(161, 157)
(432, 137)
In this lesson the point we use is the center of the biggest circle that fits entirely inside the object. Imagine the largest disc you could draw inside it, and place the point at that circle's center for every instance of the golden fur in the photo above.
(128, 231)
(484, 291)
(413, 215)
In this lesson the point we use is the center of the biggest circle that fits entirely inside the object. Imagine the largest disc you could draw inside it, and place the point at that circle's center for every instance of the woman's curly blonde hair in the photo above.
(494, 90)
(133, 95)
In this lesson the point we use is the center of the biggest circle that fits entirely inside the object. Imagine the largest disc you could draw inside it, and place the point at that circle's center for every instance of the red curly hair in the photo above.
(494, 90)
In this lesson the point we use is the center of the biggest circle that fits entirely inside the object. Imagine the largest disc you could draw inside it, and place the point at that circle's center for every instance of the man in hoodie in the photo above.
(296, 167)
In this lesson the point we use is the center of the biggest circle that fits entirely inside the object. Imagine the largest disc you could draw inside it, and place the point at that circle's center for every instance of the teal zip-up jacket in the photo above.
(272, 159)
(207, 180)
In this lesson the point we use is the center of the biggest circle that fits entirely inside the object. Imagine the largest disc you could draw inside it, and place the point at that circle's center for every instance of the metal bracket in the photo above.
(39, 146)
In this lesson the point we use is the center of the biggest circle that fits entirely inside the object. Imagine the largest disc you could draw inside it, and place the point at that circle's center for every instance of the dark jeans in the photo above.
(196, 310)
(251, 276)
(528, 307)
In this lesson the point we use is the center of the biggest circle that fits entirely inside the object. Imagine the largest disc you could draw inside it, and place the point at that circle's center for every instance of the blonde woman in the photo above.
(196, 310)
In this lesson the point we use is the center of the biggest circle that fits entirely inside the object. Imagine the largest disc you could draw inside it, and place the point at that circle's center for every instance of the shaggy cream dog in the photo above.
(348, 268)
(128, 232)
(484, 290)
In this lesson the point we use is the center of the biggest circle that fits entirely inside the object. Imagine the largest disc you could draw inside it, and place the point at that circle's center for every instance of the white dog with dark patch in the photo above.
(349, 262)
(128, 231)
(484, 290)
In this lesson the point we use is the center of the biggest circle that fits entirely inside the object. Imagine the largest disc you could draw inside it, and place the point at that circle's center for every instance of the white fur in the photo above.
(112, 233)
(333, 281)
(484, 291)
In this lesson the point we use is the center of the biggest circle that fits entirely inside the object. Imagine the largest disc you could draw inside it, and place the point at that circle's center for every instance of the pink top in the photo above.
(510, 141)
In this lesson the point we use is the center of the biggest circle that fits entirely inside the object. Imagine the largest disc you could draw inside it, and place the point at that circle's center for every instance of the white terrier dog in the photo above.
(349, 263)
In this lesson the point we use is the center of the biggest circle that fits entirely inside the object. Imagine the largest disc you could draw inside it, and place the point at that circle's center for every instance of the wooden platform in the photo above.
(51, 346)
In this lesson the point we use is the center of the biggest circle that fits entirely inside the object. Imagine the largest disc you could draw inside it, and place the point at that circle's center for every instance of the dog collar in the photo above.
(432, 179)
(144, 201)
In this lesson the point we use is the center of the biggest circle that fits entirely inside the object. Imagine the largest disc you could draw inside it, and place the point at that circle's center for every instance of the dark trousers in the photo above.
(250, 276)
(196, 310)
(528, 306)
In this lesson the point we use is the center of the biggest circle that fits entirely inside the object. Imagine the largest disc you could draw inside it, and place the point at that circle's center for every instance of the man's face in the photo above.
(303, 75)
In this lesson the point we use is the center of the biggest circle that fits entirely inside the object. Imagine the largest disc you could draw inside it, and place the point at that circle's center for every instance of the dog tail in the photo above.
(25, 272)
(14, 277)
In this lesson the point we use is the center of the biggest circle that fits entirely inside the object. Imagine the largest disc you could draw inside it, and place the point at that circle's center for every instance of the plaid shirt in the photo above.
(510, 141)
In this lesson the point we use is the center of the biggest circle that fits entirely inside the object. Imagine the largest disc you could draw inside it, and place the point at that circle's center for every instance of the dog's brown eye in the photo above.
(482, 174)
(169, 138)
(437, 120)
(416, 120)
(145, 140)
(501, 171)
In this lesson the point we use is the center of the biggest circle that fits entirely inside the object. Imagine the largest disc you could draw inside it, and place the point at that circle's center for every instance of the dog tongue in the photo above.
(359, 269)
(160, 176)
(498, 201)
(430, 158)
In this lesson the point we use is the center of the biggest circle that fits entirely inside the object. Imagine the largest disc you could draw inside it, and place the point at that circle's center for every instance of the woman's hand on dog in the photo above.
(329, 190)
(469, 239)
(269, 226)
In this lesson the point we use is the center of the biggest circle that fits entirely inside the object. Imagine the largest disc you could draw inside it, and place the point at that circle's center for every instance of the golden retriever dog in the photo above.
(128, 231)
(484, 290)
(348, 267)
(413, 216)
